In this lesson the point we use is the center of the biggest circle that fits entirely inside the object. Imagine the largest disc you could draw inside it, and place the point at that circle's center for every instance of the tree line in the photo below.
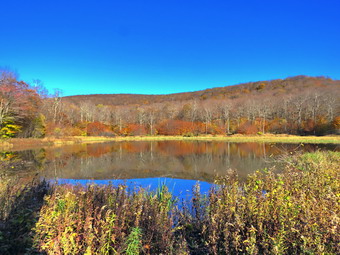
(28, 110)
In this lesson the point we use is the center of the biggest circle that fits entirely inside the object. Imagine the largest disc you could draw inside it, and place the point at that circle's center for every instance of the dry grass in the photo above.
(239, 138)
(28, 143)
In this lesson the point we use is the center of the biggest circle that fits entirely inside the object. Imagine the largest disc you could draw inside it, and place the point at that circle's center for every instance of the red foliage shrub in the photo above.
(276, 125)
(215, 130)
(179, 127)
(247, 128)
(135, 129)
(64, 130)
(308, 126)
(99, 129)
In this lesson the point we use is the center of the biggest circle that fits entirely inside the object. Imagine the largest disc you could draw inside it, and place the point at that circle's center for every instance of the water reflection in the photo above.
(180, 188)
(181, 160)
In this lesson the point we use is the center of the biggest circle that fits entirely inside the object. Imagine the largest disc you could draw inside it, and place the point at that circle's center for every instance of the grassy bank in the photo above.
(242, 138)
(295, 212)
(28, 143)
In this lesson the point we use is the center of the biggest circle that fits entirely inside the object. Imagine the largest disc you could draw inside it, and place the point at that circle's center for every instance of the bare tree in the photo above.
(39, 87)
(55, 106)
(151, 118)
(72, 113)
(194, 109)
(263, 112)
(332, 104)
(207, 116)
(118, 117)
(102, 114)
(141, 116)
(87, 111)
(225, 109)
(298, 104)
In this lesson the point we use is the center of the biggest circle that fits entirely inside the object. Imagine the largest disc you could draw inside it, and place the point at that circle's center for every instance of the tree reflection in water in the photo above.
(177, 163)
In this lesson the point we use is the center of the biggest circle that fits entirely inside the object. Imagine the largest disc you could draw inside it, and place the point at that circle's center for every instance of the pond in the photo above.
(177, 164)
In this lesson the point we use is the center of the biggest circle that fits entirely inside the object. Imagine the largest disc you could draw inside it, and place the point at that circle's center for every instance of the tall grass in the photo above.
(20, 202)
(294, 212)
(105, 220)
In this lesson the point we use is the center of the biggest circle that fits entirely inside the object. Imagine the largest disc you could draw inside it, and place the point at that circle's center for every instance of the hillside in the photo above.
(272, 88)
(296, 105)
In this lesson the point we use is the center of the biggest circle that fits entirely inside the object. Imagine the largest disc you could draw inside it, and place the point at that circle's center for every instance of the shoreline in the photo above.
(29, 143)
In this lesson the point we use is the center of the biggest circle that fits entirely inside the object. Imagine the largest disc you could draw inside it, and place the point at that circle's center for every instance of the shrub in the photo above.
(9, 129)
(99, 129)
(135, 129)
(336, 124)
(180, 127)
(247, 128)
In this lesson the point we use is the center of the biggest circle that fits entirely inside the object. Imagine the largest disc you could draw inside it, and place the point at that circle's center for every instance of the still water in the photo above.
(177, 164)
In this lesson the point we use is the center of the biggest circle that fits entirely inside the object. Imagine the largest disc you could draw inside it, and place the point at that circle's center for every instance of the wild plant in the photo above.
(133, 242)
(293, 212)
(20, 200)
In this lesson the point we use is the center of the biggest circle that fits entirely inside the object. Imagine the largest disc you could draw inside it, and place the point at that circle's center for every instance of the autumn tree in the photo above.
(19, 105)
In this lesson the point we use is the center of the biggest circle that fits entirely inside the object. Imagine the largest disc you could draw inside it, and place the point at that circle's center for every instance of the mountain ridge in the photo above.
(293, 85)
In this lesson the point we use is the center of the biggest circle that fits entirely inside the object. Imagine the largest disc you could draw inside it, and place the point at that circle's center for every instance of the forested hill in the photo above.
(296, 105)
(269, 89)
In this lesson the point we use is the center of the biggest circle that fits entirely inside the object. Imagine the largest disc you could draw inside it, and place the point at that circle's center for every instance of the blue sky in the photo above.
(157, 47)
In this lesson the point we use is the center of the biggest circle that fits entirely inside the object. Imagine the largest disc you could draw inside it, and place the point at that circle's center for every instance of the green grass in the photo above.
(294, 212)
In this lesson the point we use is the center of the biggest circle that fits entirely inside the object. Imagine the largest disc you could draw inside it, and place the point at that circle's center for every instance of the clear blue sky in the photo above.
(158, 46)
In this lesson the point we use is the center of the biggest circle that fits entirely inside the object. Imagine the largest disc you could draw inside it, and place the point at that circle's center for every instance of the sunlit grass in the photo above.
(239, 138)
(268, 138)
